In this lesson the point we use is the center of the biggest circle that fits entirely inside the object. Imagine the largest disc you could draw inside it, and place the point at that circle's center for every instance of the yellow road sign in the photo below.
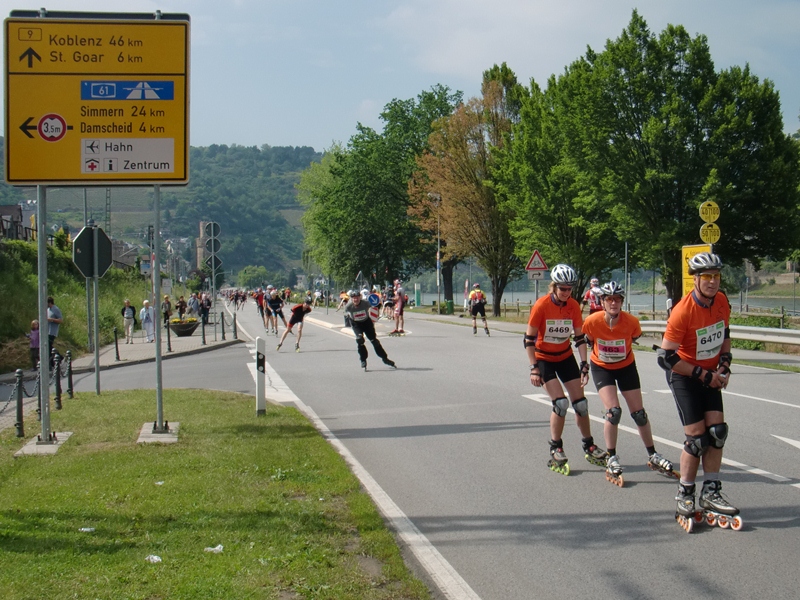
(709, 211)
(688, 252)
(96, 102)
(710, 233)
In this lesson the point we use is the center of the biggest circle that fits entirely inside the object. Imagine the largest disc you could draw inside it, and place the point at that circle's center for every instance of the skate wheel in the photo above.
(723, 522)
(697, 517)
(736, 523)
(620, 481)
(711, 519)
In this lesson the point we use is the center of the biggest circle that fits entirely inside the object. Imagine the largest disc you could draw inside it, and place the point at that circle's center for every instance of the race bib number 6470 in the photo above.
(709, 340)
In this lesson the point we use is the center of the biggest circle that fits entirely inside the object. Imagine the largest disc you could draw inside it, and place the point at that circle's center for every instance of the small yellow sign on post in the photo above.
(710, 233)
(96, 101)
(688, 252)
(709, 211)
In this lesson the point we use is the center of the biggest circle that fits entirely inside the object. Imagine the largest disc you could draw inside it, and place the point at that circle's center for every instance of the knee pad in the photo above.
(614, 415)
(718, 434)
(360, 340)
(581, 407)
(639, 417)
(696, 445)
(560, 406)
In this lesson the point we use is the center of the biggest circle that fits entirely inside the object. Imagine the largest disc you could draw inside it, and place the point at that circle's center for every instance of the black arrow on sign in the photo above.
(30, 53)
(25, 127)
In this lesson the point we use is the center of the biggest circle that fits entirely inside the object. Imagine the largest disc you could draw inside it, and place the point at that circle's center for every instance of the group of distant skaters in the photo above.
(695, 353)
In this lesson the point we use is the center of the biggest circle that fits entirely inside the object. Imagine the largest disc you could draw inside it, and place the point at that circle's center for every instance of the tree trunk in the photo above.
(498, 287)
(447, 280)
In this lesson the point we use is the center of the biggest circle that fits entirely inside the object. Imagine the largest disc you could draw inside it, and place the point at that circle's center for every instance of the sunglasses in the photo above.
(710, 276)
(563, 288)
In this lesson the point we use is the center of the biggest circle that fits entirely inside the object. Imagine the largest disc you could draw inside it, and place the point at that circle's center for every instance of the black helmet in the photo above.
(612, 288)
(705, 261)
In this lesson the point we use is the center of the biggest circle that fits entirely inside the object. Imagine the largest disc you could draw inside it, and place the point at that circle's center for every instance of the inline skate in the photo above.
(716, 510)
(685, 513)
(661, 465)
(594, 454)
(558, 460)
(614, 471)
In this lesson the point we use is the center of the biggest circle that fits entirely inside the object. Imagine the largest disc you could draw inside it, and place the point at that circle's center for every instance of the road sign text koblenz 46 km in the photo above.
(93, 101)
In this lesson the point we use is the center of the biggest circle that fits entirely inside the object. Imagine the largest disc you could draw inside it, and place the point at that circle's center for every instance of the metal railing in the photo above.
(768, 335)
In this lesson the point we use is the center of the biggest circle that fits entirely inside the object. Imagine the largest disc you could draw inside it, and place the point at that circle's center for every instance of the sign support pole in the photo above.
(44, 325)
(156, 269)
(88, 286)
(96, 270)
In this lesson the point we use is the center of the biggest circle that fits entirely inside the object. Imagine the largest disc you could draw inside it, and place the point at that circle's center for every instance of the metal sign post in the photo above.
(96, 265)
(158, 426)
(44, 324)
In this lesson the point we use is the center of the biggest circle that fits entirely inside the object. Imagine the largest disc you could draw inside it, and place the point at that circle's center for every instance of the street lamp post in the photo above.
(437, 198)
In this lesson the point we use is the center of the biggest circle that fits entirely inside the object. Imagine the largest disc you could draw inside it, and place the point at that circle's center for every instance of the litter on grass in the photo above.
(152, 558)
(86, 529)
(215, 549)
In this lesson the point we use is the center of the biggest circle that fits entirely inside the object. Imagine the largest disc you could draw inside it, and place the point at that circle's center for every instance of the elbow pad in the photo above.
(667, 359)
(529, 341)
(580, 340)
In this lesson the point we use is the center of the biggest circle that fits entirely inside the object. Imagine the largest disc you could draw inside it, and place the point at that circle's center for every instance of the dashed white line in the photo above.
(545, 399)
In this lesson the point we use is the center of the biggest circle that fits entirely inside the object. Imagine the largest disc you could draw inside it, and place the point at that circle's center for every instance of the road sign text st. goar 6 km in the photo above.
(97, 101)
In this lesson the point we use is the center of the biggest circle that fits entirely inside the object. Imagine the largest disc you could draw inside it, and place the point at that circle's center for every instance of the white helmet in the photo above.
(705, 261)
(564, 274)
(612, 288)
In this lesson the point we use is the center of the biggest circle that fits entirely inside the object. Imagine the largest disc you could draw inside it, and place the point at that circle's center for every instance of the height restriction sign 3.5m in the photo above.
(97, 101)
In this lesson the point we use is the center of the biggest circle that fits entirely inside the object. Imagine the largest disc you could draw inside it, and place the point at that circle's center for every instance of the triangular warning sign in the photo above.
(536, 263)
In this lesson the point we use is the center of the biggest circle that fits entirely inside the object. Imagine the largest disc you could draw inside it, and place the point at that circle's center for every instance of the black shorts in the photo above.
(293, 321)
(692, 398)
(566, 370)
(626, 378)
(478, 309)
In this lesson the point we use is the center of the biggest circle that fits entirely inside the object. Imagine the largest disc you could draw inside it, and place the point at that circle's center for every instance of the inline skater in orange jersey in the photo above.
(611, 334)
(554, 319)
(696, 353)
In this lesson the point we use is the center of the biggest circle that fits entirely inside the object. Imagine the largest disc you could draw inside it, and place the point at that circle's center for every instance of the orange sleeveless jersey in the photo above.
(554, 325)
(699, 330)
(612, 348)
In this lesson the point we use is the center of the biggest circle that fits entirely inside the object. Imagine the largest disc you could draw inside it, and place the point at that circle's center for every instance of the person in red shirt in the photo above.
(554, 319)
(611, 334)
(299, 312)
(592, 297)
(696, 353)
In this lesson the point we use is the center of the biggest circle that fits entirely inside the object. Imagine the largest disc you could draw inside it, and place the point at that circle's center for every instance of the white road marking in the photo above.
(446, 578)
(727, 393)
(545, 399)
(794, 443)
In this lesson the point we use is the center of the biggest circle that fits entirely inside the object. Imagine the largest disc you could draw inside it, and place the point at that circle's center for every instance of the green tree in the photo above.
(357, 197)
(662, 132)
(453, 186)
(252, 277)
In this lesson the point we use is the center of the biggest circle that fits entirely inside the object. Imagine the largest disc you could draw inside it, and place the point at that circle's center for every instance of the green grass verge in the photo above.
(291, 517)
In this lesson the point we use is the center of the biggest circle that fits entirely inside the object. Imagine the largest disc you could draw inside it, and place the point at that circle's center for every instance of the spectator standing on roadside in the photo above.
(128, 320)
(148, 318)
(34, 337)
(180, 306)
(205, 308)
(166, 309)
(193, 305)
(54, 320)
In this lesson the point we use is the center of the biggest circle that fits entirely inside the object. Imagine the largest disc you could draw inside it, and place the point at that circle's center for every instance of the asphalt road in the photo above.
(457, 437)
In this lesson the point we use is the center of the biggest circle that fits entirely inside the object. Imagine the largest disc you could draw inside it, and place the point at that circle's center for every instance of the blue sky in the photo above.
(304, 73)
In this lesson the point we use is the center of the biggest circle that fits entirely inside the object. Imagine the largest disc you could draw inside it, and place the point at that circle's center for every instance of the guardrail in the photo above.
(740, 332)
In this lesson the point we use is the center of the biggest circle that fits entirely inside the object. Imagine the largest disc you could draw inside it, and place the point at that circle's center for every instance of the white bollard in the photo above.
(261, 384)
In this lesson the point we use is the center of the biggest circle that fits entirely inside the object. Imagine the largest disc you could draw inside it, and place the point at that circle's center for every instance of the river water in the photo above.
(637, 303)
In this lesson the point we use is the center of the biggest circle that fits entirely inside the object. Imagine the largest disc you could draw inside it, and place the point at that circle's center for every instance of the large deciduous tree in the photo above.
(454, 183)
(358, 196)
(665, 132)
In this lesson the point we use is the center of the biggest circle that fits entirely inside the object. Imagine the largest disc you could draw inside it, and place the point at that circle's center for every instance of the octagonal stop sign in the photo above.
(83, 252)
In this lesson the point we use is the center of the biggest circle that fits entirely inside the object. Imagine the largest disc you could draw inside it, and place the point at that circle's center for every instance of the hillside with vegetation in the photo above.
(249, 191)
